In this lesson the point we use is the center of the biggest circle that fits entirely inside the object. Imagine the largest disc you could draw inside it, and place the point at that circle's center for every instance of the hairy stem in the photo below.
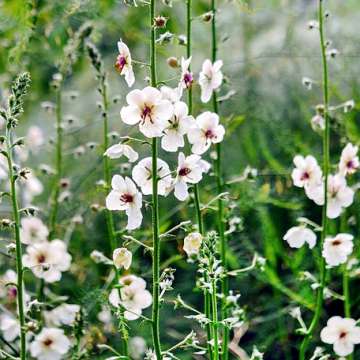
(220, 186)
(19, 265)
(326, 158)
(215, 320)
(155, 205)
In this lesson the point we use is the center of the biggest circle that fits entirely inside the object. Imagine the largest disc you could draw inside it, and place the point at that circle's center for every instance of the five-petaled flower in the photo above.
(123, 63)
(192, 243)
(210, 78)
(349, 161)
(125, 196)
(337, 249)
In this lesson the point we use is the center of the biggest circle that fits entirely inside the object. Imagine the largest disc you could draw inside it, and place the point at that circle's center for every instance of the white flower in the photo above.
(10, 327)
(207, 131)
(3, 167)
(342, 333)
(318, 123)
(192, 243)
(307, 174)
(210, 78)
(134, 296)
(33, 230)
(170, 94)
(137, 347)
(64, 314)
(47, 260)
(297, 236)
(337, 249)
(50, 344)
(9, 277)
(118, 150)
(32, 187)
(35, 138)
(125, 196)
(122, 258)
(142, 175)
(186, 78)
(148, 108)
(189, 170)
(123, 63)
(349, 161)
(177, 127)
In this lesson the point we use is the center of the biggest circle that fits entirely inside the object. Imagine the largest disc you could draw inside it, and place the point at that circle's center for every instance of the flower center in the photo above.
(184, 171)
(120, 63)
(209, 134)
(336, 242)
(146, 112)
(342, 334)
(48, 342)
(12, 292)
(188, 79)
(350, 164)
(127, 198)
(41, 258)
(305, 176)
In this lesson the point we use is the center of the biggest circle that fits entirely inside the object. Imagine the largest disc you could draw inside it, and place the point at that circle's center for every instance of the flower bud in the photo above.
(182, 39)
(11, 248)
(349, 105)
(122, 258)
(207, 17)
(172, 61)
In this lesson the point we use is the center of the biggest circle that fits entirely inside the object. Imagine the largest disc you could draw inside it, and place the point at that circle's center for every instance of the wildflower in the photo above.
(168, 93)
(32, 187)
(50, 344)
(349, 161)
(125, 196)
(210, 78)
(186, 78)
(307, 172)
(207, 131)
(337, 249)
(297, 236)
(189, 171)
(179, 125)
(318, 123)
(64, 314)
(192, 243)
(137, 347)
(10, 327)
(33, 230)
(160, 22)
(148, 108)
(122, 258)
(118, 150)
(124, 64)
(342, 333)
(47, 260)
(134, 296)
(142, 175)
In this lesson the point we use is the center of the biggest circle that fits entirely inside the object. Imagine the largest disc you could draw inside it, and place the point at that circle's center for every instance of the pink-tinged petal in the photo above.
(129, 76)
(151, 95)
(134, 218)
(354, 335)
(343, 348)
(118, 183)
(206, 92)
(329, 334)
(219, 133)
(152, 130)
(114, 297)
(181, 190)
(143, 298)
(130, 115)
(180, 109)
(333, 209)
(207, 67)
(207, 120)
(123, 48)
(113, 202)
(132, 314)
(135, 98)
(171, 141)
(163, 110)
(195, 135)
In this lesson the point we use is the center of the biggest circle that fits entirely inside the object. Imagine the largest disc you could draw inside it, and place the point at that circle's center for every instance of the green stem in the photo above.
(326, 158)
(58, 161)
(220, 186)
(215, 320)
(19, 265)
(155, 206)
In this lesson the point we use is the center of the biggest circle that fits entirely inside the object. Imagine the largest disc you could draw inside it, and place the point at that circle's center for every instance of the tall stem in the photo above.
(215, 320)
(155, 205)
(19, 265)
(58, 162)
(207, 298)
(219, 185)
(326, 158)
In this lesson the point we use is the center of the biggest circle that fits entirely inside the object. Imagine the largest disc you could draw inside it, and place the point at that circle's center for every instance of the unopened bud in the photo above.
(207, 16)
(172, 62)
(5, 223)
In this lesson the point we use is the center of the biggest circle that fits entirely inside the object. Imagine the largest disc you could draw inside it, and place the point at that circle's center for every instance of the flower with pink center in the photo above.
(190, 171)
(179, 125)
(337, 249)
(148, 108)
(210, 78)
(186, 78)
(349, 161)
(124, 196)
(307, 172)
(342, 333)
(206, 131)
(123, 63)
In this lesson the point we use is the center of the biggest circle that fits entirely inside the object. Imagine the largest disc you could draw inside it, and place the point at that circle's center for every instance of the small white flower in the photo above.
(32, 187)
(124, 64)
(318, 123)
(170, 94)
(47, 260)
(349, 161)
(64, 314)
(33, 230)
(186, 78)
(35, 138)
(192, 243)
(207, 131)
(179, 125)
(118, 150)
(50, 344)
(10, 327)
(125, 196)
(137, 347)
(189, 170)
(134, 296)
(297, 236)
(122, 258)
(210, 78)
(142, 175)
(342, 333)
(337, 249)
(3, 167)
(5, 289)
(148, 108)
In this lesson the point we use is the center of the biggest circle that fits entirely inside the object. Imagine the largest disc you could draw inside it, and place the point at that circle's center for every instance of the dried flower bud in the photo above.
(113, 135)
(307, 82)
(320, 109)
(122, 258)
(95, 207)
(182, 39)
(11, 248)
(332, 53)
(173, 62)
(19, 142)
(64, 183)
(5, 223)
(313, 24)
(207, 17)
(23, 173)
(349, 105)
(160, 22)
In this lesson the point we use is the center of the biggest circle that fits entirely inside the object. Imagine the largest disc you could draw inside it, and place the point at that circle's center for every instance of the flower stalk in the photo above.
(220, 189)
(155, 205)
(326, 166)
